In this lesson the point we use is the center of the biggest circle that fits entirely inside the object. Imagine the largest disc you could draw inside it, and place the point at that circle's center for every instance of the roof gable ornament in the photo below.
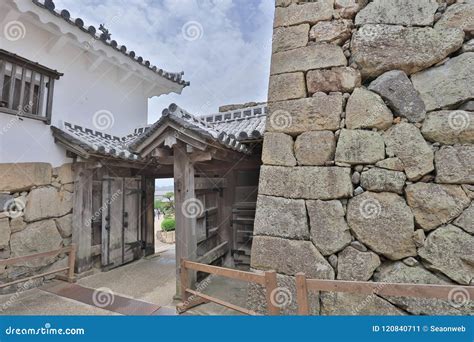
(105, 33)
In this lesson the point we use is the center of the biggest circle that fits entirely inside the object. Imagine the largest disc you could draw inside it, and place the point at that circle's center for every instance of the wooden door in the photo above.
(121, 221)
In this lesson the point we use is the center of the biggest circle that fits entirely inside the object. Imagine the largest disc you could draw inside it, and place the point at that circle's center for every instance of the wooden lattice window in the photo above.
(26, 88)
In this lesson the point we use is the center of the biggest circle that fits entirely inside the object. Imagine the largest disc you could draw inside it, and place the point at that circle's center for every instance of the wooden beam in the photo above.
(206, 183)
(186, 240)
(223, 303)
(198, 156)
(214, 254)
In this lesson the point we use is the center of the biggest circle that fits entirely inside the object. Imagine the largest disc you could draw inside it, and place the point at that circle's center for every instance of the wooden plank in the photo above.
(302, 294)
(81, 216)
(13, 261)
(214, 253)
(206, 183)
(227, 272)
(386, 289)
(186, 238)
(223, 303)
(271, 286)
(33, 277)
(192, 302)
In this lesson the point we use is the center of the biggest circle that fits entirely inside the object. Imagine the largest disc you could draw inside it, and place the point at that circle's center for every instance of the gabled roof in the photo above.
(230, 132)
(49, 6)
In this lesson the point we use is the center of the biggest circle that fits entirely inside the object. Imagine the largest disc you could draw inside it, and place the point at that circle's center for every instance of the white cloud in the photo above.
(229, 64)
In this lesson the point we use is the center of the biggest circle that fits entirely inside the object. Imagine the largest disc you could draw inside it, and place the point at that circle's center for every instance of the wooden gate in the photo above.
(121, 240)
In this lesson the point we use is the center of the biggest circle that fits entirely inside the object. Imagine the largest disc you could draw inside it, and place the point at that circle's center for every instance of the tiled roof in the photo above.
(242, 124)
(105, 39)
(195, 124)
(97, 142)
(229, 129)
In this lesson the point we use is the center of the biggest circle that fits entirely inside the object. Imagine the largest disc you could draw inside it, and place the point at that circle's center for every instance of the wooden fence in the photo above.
(267, 279)
(304, 286)
(71, 250)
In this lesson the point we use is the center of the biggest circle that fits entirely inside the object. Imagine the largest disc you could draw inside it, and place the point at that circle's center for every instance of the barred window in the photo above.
(26, 87)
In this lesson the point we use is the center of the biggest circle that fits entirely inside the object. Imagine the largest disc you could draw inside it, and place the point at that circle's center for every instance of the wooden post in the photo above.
(225, 203)
(71, 262)
(82, 216)
(184, 281)
(148, 215)
(302, 294)
(271, 286)
(184, 195)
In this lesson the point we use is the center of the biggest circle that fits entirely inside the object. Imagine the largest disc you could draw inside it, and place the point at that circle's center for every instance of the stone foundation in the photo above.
(369, 156)
(35, 216)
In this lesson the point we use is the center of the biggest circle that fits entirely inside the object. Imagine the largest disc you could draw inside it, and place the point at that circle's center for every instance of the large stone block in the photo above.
(455, 164)
(315, 148)
(353, 264)
(397, 90)
(341, 79)
(47, 202)
(351, 304)
(466, 220)
(380, 48)
(360, 147)
(406, 142)
(64, 225)
(458, 16)
(329, 230)
(308, 182)
(383, 222)
(305, 13)
(24, 176)
(278, 149)
(449, 127)
(380, 180)
(65, 174)
(398, 12)
(320, 112)
(366, 109)
(4, 233)
(298, 256)
(37, 237)
(334, 31)
(448, 84)
(398, 272)
(288, 38)
(449, 250)
(281, 217)
(287, 87)
(435, 204)
(316, 56)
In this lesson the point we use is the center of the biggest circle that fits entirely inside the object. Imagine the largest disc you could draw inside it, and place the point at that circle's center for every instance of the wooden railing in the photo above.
(71, 250)
(267, 279)
(304, 285)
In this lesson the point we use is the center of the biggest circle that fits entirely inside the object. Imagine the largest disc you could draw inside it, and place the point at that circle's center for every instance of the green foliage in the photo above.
(168, 224)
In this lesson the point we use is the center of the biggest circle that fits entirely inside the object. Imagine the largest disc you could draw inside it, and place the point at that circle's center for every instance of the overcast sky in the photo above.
(223, 46)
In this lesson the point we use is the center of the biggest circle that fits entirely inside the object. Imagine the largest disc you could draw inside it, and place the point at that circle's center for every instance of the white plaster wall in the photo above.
(78, 95)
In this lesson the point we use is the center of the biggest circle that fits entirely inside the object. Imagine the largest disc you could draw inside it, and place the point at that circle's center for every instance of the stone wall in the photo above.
(368, 156)
(35, 217)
